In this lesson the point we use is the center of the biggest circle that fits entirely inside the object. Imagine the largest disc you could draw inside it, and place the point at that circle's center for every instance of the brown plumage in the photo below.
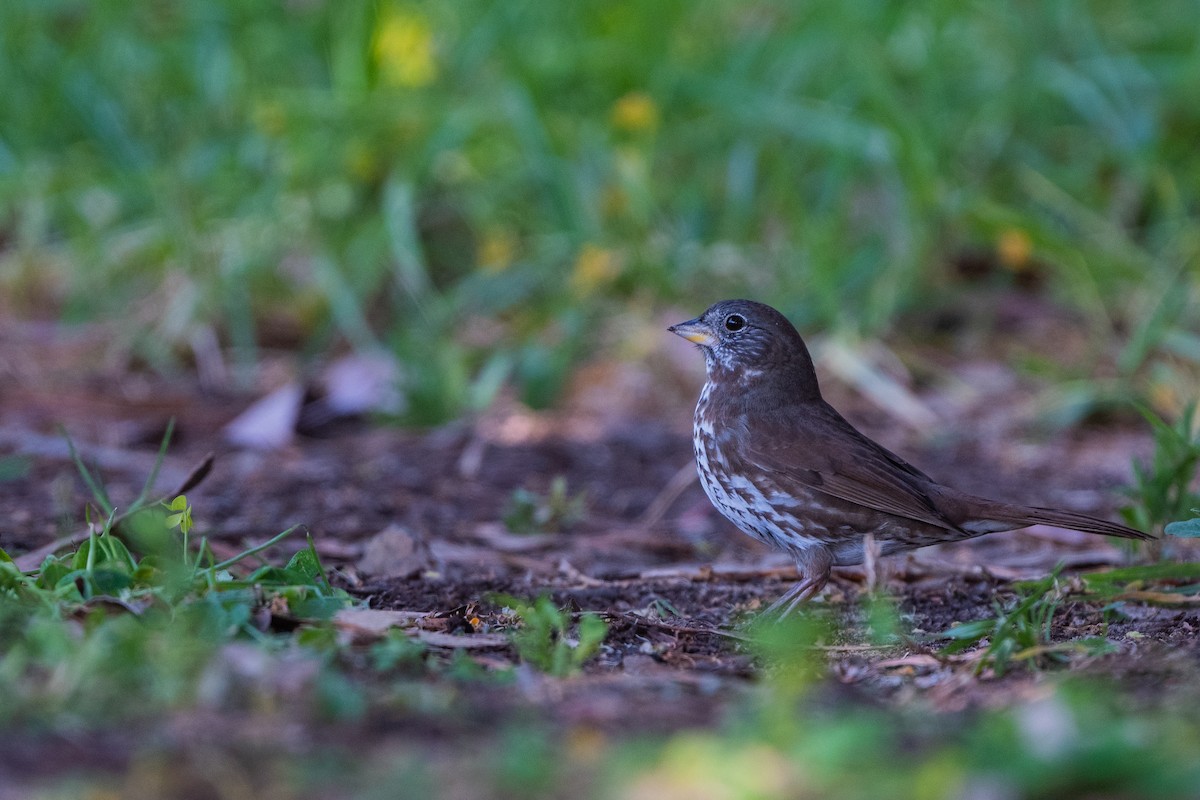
(783, 466)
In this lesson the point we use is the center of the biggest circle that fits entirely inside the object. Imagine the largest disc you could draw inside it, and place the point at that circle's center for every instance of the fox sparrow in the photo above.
(783, 466)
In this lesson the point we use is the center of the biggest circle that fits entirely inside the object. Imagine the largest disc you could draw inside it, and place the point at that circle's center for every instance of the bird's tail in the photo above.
(1020, 516)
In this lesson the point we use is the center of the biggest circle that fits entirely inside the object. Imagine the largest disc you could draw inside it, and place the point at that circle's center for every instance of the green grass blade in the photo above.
(253, 550)
(158, 462)
(93, 483)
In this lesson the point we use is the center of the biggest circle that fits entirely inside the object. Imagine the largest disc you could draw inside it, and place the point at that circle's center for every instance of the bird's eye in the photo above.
(735, 322)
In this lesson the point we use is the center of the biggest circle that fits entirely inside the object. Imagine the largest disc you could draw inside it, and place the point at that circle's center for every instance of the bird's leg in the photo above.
(814, 565)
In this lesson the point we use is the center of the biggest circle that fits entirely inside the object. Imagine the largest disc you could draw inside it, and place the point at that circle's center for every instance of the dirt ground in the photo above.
(413, 521)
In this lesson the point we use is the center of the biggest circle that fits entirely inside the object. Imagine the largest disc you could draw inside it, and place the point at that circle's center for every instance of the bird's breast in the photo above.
(755, 505)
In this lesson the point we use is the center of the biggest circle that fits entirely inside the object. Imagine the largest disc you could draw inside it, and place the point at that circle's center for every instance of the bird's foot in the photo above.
(793, 597)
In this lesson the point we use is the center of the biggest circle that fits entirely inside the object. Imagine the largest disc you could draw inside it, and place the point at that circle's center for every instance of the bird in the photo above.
(786, 468)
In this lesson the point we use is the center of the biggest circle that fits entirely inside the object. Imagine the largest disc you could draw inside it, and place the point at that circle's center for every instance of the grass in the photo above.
(1162, 490)
(1021, 632)
(401, 175)
(126, 624)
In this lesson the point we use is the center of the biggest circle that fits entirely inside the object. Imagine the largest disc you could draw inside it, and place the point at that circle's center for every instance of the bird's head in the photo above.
(751, 341)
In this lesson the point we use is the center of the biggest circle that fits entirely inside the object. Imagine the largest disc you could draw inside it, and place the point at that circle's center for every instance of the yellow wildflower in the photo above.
(594, 267)
(403, 50)
(497, 251)
(1014, 248)
(636, 112)
(1164, 398)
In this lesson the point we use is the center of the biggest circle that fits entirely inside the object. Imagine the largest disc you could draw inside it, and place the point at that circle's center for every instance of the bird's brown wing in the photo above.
(814, 446)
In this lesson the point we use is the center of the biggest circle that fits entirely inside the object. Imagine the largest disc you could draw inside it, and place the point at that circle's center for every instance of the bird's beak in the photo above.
(694, 331)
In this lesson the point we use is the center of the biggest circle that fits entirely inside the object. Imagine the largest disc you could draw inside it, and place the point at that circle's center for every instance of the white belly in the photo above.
(766, 515)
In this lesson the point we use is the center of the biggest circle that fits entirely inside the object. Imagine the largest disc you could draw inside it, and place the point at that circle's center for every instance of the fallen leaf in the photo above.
(374, 621)
(270, 423)
(364, 383)
(393, 552)
(915, 660)
(1160, 598)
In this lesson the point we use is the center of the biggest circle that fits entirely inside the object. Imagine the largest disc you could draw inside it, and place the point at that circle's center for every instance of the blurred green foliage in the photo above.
(556, 511)
(544, 636)
(475, 184)
(1073, 742)
(1162, 489)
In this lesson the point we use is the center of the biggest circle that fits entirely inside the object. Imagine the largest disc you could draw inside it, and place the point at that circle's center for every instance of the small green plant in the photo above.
(544, 639)
(790, 650)
(882, 618)
(663, 608)
(558, 510)
(155, 606)
(1161, 492)
(398, 651)
(1022, 632)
